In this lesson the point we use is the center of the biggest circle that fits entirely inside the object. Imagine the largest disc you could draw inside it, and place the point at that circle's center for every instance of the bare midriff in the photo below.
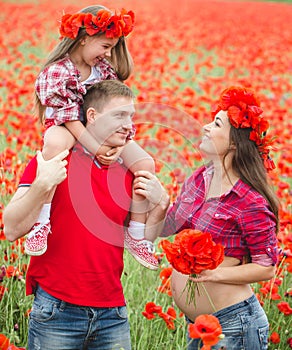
(221, 295)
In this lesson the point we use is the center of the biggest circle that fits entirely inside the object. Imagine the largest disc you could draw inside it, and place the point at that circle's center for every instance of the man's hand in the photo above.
(51, 172)
(25, 206)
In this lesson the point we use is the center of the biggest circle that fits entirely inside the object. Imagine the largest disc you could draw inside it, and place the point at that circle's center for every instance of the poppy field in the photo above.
(185, 53)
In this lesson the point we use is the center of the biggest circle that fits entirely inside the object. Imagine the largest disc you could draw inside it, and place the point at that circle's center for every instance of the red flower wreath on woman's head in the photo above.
(243, 110)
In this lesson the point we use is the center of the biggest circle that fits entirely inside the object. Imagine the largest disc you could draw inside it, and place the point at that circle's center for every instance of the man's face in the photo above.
(113, 124)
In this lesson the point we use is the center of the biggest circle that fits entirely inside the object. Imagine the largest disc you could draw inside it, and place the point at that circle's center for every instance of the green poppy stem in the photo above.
(208, 296)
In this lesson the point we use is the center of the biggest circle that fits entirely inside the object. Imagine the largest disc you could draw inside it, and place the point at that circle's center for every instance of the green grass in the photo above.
(140, 284)
(140, 287)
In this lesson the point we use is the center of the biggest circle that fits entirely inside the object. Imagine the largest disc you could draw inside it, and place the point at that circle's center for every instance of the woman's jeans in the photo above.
(57, 325)
(245, 326)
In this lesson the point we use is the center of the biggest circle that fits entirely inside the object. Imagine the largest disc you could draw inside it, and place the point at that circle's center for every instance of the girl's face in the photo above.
(95, 48)
(215, 141)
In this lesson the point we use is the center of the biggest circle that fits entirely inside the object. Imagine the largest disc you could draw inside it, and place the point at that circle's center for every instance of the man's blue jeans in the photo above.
(57, 325)
(245, 326)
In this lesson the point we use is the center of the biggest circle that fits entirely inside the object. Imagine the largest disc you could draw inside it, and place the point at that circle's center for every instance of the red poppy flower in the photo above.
(65, 29)
(148, 315)
(193, 251)
(195, 244)
(2, 291)
(101, 20)
(127, 21)
(165, 273)
(11, 271)
(153, 308)
(168, 318)
(270, 288)
(275, 338)
(171, 312)
(235, 116)
(169, 248)
(181, 263)
(150, 309)
(243, 110)
(114, 29)
(114, 26)
(70, 25)
(88, 24)
(4, 342)
(165, 276)
(285, 308)
(207, 328)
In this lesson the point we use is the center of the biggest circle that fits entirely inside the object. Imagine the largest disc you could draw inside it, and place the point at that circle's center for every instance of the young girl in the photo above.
(92, 48)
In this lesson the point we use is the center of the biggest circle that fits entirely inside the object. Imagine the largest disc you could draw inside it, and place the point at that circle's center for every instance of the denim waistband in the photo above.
(42, 294)
(252, 302)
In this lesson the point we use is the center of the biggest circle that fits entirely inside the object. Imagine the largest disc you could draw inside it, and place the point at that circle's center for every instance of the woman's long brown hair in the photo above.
(249, 166)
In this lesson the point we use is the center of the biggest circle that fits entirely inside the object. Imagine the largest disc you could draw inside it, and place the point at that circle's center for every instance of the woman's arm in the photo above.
(241, 274)
(147, 185)
(23, 210)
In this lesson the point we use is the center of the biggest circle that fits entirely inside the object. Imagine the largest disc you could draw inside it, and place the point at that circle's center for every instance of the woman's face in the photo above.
(215, 141)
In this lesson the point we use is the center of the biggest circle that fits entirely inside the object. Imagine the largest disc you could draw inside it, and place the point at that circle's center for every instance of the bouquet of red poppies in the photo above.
(192, 252)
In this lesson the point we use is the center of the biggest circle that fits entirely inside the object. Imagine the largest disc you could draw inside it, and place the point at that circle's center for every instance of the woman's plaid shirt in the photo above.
(240, 220)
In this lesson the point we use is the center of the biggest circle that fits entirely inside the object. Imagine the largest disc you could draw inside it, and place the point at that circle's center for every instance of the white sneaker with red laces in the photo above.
(36, 240)
(142, 250)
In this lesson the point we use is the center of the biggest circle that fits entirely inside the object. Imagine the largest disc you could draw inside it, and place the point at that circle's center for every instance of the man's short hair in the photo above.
(99, 94)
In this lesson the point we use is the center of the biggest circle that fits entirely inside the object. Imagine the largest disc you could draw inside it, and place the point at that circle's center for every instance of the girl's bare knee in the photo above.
(57, 139)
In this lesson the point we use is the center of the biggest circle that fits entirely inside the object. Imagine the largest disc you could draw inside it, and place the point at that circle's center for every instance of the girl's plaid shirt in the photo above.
(59, 86)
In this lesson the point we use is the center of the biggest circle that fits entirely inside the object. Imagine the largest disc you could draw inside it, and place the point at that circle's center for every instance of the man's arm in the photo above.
(24, 208)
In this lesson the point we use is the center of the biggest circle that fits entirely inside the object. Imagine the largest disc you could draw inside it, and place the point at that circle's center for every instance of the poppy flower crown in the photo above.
(243, 110)
(113, 25)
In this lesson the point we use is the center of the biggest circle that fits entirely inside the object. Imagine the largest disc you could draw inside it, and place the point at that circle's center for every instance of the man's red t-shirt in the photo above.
(84, 260)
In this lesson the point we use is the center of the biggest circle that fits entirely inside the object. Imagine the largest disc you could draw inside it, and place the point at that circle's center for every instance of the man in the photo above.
(79, 301)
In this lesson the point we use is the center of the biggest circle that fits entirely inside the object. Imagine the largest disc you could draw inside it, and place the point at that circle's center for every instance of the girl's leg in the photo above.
(137, 239)
(56, 140)
(135, 158)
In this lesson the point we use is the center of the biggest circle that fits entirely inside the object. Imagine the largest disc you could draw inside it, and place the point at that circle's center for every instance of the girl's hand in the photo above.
(111, 156)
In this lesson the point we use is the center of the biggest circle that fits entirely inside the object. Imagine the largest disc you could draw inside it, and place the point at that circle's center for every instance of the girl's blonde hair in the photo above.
(120, 59)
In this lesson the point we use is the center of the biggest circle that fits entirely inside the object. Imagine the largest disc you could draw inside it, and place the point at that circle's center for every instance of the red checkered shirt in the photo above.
(59, 86)
(240, 219)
